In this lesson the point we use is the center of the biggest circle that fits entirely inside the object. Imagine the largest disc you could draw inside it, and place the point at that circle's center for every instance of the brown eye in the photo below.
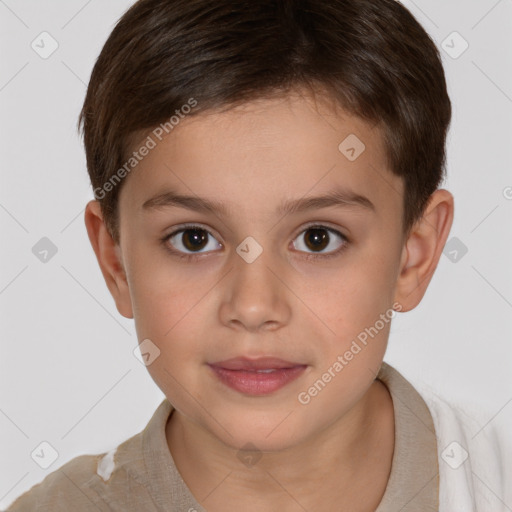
(191, 240)
(317, 238)
(194, 239)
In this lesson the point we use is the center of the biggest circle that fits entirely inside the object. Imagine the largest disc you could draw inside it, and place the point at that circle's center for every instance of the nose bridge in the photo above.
(256, 298)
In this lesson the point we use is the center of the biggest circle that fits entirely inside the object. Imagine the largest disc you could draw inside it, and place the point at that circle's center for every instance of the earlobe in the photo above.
(109, 257)
(423, 248)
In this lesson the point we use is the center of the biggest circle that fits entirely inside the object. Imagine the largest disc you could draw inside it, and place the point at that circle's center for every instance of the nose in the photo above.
(254, 297)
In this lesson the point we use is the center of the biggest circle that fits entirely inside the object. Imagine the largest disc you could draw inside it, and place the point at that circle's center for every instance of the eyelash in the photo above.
(307, 256)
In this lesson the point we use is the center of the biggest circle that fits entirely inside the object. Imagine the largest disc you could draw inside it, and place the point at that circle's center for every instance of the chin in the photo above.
(257, 431)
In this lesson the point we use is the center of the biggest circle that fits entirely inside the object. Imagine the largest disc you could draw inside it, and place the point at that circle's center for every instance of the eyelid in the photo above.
(191, 225)
(319, 224)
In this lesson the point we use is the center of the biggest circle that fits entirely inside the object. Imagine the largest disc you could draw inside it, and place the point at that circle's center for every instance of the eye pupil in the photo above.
(317, 239)
(194, 239)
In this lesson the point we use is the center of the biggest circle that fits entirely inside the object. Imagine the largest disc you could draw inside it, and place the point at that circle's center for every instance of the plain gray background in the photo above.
(68, 375)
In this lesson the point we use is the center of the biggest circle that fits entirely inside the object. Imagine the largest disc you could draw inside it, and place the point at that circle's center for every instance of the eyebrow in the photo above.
(338, 198)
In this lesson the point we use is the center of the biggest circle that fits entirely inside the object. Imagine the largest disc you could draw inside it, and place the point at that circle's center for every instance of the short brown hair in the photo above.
(371, 56)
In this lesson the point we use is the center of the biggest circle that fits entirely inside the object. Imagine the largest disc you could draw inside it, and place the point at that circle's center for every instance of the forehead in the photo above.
(255, 155)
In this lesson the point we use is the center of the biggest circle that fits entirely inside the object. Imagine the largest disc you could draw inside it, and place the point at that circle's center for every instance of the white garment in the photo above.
(475, 463)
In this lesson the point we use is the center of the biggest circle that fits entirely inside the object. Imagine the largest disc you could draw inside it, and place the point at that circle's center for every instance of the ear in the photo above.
(109, 258)
(423, 248)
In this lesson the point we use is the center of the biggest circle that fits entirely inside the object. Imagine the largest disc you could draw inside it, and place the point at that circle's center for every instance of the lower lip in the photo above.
(257, 383)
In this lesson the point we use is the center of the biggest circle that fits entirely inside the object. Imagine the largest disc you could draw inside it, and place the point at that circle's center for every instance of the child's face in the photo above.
(221, 305)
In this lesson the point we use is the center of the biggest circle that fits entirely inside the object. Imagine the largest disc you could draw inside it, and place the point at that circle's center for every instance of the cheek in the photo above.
(371, 273)
(353, 303)
(168, 311)
(161, 295)
(353, 296)
(162, 311)
(171, 308)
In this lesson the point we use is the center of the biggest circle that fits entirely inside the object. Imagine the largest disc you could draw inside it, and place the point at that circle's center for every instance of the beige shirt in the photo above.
(140, 474)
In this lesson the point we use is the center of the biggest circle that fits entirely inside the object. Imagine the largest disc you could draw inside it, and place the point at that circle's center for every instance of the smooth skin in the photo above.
(294, 301)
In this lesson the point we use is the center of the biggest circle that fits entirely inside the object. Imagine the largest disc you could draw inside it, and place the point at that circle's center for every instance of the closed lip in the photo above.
(260, 363)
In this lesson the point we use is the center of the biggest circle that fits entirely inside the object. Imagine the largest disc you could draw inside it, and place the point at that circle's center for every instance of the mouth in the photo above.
(259, 376)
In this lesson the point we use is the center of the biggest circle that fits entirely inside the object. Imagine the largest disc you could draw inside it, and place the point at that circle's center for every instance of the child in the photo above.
(266, 182)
